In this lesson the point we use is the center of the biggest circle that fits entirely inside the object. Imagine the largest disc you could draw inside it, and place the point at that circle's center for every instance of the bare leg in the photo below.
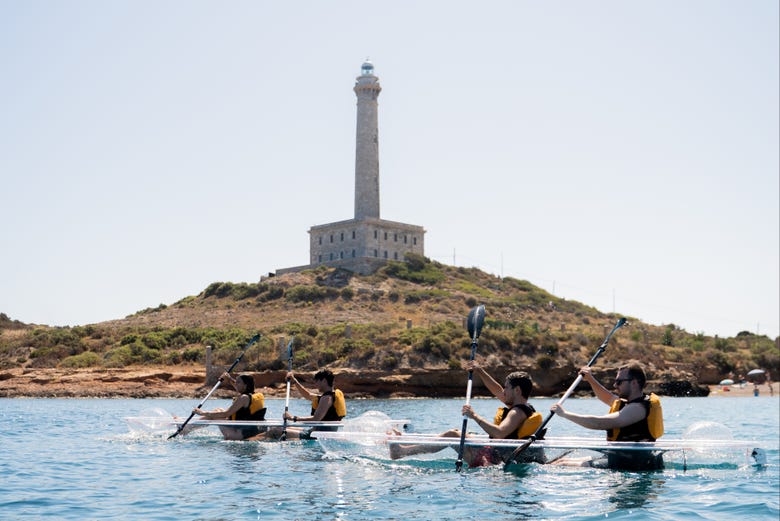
(398, 451)
(275, 434)
(584, 461)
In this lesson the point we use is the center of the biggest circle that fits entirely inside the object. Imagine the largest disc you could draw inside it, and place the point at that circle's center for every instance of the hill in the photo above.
(404, 325)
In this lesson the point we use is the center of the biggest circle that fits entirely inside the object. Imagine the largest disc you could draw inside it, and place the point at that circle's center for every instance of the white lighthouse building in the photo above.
(366, 242)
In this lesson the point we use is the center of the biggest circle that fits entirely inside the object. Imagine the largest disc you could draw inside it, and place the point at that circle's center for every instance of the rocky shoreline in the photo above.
(191, 382)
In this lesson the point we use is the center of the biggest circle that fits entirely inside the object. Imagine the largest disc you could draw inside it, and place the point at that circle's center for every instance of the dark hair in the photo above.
(636, 372)
(325, 374)
(249, 383)
(522, 380)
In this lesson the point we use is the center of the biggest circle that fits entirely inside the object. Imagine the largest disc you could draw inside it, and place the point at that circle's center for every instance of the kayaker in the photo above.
(329, 405)
(633, 416)
(247, 406)
(517, 419)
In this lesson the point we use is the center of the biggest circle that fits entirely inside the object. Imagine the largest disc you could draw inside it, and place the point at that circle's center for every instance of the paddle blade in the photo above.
(290, 349)
(475, 321)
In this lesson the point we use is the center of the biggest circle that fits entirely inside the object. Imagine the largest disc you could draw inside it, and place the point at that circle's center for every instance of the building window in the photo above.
(353, 254)
(319, 258)
(320, 240)
(331, 256)
(341, 255)
(406, 239)
(376, 234)
(331, 237)
(342, 236)
(395, 237)
(385, 254)
(376, 253)
(414, 241)
(353, 234)
(385, 235)
(395, 255)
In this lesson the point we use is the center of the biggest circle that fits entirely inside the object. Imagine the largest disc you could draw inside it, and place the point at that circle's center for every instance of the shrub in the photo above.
(218, 289)
(244, 291)
(388, 362)
(426, 294)
(129, 354)
(723, 344)
(80, 361)
(415, 268)
(119, 357)
(545, 362)
(309, 293)
(668, 339)
(273, 293)
(720, 360)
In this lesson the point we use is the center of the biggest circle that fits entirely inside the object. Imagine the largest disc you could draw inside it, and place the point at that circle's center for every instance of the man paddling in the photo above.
(633, 416)
(516, 420)
(247, 406)
(329, 405)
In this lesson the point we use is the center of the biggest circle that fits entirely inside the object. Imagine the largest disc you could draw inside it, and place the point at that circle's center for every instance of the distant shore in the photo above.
(744, 390)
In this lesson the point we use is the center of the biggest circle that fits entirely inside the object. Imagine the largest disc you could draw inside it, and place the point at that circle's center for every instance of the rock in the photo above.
(682, 388)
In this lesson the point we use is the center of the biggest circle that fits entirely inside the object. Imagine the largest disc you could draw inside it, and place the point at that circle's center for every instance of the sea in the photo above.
(79, 459)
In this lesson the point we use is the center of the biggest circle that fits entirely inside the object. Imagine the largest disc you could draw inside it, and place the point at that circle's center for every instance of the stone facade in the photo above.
(363, 245)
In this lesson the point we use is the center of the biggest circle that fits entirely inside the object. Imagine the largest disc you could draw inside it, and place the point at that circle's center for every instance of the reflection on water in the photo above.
(631, 490)
(242, 453)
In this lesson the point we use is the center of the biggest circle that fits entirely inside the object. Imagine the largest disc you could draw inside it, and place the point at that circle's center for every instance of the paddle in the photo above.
(287, 399)
(475, 320)
(519, 450)
(216, 386)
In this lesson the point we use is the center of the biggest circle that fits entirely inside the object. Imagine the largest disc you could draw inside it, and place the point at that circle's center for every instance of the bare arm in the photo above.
(493, 386)
(240, 402)
(322, 408)
(508, 425)
(631, 413)
(305, 393)
(601, 392)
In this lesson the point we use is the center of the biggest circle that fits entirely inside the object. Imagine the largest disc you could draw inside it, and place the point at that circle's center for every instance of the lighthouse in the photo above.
(366, 242)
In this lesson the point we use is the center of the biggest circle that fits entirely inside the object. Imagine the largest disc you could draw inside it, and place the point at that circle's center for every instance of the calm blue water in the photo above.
(77, 459)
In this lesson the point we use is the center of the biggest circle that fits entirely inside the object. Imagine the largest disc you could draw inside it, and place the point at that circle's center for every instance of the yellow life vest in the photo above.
(256, 405)
(654, 420)
(528, 427)
(339, 404)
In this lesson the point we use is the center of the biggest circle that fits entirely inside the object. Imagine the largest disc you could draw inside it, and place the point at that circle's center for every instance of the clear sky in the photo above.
(622, 154)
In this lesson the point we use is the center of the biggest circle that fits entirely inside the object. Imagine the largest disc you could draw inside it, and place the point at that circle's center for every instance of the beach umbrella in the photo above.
(756, 375)
(755, 372)
(727, 381)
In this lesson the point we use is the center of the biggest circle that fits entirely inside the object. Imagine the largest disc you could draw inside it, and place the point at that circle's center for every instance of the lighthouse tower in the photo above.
(366, 242)
(367, 90)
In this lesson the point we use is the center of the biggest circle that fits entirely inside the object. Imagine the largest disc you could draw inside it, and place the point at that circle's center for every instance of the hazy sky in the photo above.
(622, 154)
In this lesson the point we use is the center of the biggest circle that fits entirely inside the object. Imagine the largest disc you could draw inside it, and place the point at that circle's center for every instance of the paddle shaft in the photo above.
(216, 386)
(287, 397)
(459, 462)
(565, 396)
